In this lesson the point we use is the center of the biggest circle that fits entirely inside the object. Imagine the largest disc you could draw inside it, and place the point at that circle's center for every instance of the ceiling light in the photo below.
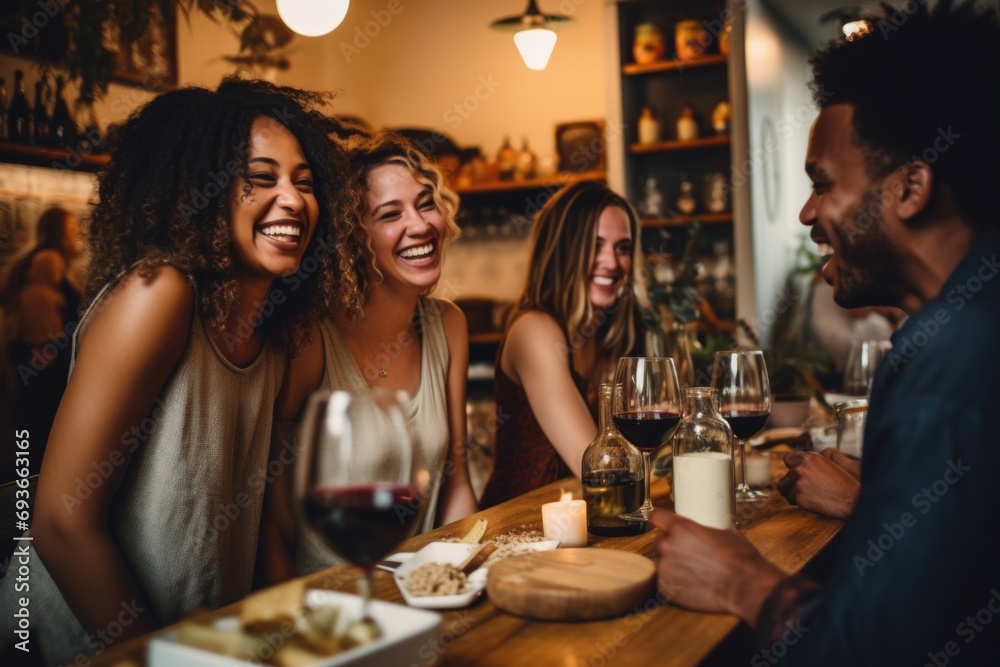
(312, 18)
(533, 34)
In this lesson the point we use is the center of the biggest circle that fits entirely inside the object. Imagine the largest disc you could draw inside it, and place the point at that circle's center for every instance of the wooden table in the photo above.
(653, 634)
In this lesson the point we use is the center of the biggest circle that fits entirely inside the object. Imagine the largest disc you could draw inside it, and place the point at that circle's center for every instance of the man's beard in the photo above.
(869, 269)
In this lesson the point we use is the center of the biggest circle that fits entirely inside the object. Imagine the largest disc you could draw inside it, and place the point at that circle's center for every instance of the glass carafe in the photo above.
(703, 461)
(612, 476)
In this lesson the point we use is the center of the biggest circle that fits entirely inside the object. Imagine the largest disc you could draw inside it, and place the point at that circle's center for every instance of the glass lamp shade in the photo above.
(312, 18)
(535, 46)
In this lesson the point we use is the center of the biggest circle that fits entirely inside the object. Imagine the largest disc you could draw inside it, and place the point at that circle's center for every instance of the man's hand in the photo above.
(848, 463)
(820, 484)
(711, 570)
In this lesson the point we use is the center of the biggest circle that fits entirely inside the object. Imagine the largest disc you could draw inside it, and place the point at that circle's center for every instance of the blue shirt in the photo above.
(917, 579)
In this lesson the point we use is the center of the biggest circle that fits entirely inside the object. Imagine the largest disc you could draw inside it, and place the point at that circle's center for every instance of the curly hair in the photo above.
(563, 248)
(918, 95)
(164, 198)
(367, 151)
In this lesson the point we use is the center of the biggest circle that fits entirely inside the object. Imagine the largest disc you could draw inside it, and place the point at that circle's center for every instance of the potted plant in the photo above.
(674, 307)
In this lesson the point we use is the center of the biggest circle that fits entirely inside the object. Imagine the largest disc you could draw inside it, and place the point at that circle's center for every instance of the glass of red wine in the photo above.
(647, 409)
(360, 481)
(745, 399)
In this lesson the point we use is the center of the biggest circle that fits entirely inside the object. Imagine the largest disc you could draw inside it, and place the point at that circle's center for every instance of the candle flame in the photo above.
(565, 496)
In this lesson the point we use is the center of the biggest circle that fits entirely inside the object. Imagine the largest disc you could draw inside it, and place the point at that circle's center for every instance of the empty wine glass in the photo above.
(360, 480)
(862, 360)
(745, 394)
(647, 410)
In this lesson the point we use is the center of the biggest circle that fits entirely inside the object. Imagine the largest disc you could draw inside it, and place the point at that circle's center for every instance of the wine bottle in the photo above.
(41, 123)
(63, 132)
(506, 161)
(527, 164)
(612, 476)
(19, 116)
(91, 140)
(3, 109)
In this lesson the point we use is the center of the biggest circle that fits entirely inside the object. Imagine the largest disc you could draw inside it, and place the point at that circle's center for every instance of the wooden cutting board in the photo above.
(571, 584)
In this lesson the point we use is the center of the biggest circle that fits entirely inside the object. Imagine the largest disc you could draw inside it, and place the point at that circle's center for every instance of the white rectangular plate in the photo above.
(404, 632)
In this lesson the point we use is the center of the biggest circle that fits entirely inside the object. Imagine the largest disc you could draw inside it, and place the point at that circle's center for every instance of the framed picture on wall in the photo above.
(581, 147)
(151, 60)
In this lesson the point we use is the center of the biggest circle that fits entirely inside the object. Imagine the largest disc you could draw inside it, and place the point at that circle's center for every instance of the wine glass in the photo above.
(647, 409)
(745, 402)
(360, 481)
(862, 360)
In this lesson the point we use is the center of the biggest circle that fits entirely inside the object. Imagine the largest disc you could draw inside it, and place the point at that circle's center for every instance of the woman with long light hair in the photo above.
(578, 313)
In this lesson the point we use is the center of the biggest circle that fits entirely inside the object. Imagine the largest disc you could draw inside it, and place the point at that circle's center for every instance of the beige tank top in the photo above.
(427, 411)
(187, 513)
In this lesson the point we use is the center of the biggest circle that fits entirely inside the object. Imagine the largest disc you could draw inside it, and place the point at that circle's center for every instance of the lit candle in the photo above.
(565, 521)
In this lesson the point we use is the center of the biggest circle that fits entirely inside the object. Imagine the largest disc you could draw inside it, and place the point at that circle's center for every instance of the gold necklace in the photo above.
(382, 372)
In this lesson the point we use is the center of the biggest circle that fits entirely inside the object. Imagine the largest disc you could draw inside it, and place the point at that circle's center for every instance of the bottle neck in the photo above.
(605, 408)
(700, 401)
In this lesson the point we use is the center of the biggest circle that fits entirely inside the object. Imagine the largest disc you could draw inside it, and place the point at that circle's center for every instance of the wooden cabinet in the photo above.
(662, 177)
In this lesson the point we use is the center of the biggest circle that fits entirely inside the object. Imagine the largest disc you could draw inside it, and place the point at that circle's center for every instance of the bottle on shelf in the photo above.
(41, 122)
(687, 203)
(612, 475)
(649, 127)
(527, 164)
(687, 125)
(716, 192)
(649, 44)
(3, 109)
(652, 202)
(703, 461)
(506, 161)
(724, 279)
(63, 132)
(91, 140)
(19, 114)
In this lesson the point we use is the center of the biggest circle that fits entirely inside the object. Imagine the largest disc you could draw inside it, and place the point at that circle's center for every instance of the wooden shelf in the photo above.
(557, 181)
(680, 220)
(673, 65)
(54, 158)
(486, 337)
(667, 146)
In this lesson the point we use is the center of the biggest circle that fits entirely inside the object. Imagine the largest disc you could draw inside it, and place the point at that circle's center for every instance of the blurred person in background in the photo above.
(41, 303)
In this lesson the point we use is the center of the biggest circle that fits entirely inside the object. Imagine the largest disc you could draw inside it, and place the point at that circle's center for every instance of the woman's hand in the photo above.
(819, 483)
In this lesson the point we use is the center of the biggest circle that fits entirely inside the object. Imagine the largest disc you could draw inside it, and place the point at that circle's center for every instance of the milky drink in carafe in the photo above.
(703, 461)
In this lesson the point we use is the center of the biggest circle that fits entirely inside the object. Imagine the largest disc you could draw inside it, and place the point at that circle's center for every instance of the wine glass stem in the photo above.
(741, 453)
(365, 588)
(647, 506)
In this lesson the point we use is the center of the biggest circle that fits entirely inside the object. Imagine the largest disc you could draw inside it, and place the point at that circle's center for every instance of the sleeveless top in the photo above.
(427, 412)
(187, 512)
(524, 459)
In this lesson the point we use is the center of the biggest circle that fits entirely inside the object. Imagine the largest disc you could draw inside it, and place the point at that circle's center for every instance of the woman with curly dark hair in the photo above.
(400, 338)
(220, 232)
